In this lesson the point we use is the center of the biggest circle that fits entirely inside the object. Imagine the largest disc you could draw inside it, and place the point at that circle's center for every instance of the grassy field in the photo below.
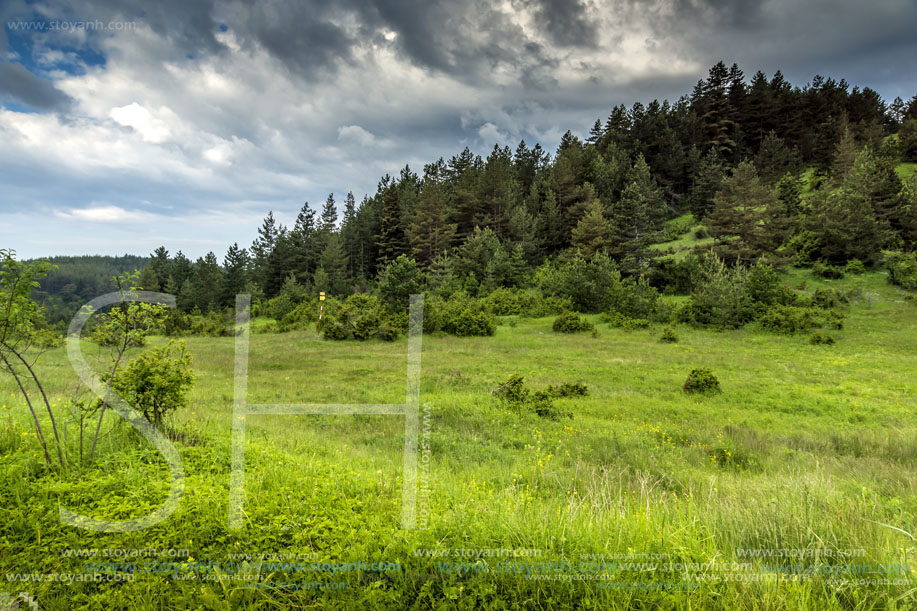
(795, 488)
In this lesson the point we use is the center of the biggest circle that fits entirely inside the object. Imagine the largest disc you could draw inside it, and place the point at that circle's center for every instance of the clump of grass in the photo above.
(668, 336)
(701, 381)
(819, 338)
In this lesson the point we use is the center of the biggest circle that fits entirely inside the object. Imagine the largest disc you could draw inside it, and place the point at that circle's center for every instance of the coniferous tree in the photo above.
(907, 140)
(391, 239)
(845, 155)
(206, 283)
(549, 224)
(595, 134)
(235, 274)
(263, 246)
(631, 223)
(349, 234)
(329, 215)
(640, 177)
(774, 159)
(739, 208)
(334, 264)
(431, 233)
(522, 231)
(496, 191)
(592, 232)
(305, 245)
(181, 269)
(707, 181)
(148, 280)
(161, 266)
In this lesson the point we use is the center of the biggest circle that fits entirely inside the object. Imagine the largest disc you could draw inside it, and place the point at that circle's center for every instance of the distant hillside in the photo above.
(77, 280)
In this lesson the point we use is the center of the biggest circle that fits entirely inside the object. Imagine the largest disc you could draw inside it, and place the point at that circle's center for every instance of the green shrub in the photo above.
(587, 284)
(505, 301)
(567, 389)
(827, 271)
(721, 299)
(468, 322)
(795, 319)
(620, 321)
(701, 233)
(303, 316)
(854, 266)
(334, 329)
(902, 268)
(211, 324)
(676, 277)
(571, 322)
(459, 315)
(763, 285)
(829, 298)
(361, 317)
(821, 338)
(668, 336)
(701, 380)
(515, 395)
(398, 281)
(635, 299)
(513, 391)
(157, 381)
(176, 323)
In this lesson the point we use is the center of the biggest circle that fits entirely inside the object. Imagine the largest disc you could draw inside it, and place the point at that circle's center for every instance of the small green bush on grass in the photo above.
(621, 321)
(827, 271)
(514, 394)
(819, 338)
(701, 381)
(571, 322)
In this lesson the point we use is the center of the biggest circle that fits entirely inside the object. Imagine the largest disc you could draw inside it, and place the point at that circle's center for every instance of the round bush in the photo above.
(467, 323)
(571, 322)
(668, 336)
(701, 380)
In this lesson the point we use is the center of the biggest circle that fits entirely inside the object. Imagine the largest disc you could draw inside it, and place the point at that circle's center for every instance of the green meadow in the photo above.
(793, 488)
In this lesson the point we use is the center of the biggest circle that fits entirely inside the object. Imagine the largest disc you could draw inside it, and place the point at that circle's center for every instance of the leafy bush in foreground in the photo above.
(157, 382)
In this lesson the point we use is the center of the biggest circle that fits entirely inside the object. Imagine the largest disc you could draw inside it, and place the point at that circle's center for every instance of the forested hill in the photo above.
(77, 280)
(795, 173)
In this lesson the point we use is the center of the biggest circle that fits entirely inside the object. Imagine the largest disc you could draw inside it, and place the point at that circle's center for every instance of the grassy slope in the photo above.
(807, 447)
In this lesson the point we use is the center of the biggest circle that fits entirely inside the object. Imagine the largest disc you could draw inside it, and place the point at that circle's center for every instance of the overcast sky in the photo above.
(132, 123)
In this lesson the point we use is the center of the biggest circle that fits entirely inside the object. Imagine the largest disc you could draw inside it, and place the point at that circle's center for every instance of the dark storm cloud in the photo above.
(466, 41)
(566, 23)
(19, 85)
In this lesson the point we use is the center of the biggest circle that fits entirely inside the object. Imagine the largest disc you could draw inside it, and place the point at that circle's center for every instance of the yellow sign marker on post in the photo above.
(321, 309)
